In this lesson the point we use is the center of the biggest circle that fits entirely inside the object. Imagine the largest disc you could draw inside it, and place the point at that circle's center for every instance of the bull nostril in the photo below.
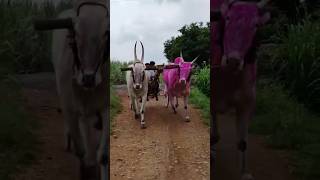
(88, 80)
(137, 86)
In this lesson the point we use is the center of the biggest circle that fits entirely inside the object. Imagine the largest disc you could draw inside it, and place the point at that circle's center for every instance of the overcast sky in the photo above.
(153, 22)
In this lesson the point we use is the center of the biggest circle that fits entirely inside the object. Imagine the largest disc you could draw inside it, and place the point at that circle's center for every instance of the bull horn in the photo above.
(142, 56)
(195, 59)
(181, 54)
(135, 51)
(262, 3)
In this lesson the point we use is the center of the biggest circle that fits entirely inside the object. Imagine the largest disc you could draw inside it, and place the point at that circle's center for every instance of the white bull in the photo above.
(137, 84)
(82, 84)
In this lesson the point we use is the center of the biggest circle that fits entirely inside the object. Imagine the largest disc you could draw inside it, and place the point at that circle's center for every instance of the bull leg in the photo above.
(131, 108)
(167, 104)
(142, 122)
(135, 107)
(74, 130)
(185, 100)
(67, 137)
(89, 165)
(177, 103)
(171, 98)
(243, 117)
(103, 149)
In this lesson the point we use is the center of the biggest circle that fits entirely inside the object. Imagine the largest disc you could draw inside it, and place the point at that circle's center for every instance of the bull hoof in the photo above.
(174, 111)
(143, 126)
(157, 99)
(177, 105)
(187, 119)
(247, 176)
(89, 172)
(136, 116)
(67, 146)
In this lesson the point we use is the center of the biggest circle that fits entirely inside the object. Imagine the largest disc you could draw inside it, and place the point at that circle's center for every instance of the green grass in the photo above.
(114, 104)
(296, 62)
(18, 144)
(202, 102)
(22, 49)
(202, 80)
(290, 126)
(116, 76)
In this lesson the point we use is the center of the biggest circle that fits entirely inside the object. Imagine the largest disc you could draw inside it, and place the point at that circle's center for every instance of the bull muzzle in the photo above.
(183, 81)
(137, 86)
(234, 64)
(89, 80)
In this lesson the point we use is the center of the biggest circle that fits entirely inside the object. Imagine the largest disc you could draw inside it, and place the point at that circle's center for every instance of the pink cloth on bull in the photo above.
(171, 79)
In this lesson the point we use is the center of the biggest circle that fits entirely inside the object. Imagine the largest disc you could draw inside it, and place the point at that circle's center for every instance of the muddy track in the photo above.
(168, 149)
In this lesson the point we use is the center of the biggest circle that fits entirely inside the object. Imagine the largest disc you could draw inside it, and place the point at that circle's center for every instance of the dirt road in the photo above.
(52, 162)
(168, 149)
(264, 163)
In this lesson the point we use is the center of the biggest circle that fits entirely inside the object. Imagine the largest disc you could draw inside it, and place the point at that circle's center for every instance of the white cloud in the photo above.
(152, 22)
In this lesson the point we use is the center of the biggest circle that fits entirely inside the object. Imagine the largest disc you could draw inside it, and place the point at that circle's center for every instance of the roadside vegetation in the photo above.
(288, 89)
(22, 50)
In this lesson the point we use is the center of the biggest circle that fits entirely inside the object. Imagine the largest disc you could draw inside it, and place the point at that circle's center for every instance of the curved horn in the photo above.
(262, 3)
(135, 51)
(142, 56)
(195, 59)
(181, 54)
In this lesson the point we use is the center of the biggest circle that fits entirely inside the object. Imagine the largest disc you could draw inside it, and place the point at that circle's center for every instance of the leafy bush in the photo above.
(202, 80)
(296, 62)
(116, 76)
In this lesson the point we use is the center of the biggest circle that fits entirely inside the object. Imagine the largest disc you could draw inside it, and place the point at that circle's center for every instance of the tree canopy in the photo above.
(194, 41)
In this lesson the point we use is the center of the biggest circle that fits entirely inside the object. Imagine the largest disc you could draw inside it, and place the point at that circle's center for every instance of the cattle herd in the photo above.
(143, 81)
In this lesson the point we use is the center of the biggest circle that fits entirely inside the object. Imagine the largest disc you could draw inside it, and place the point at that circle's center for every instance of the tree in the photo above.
(193, 41)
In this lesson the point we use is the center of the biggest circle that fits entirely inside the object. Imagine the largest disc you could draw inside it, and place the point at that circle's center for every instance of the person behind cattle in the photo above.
(153, 81)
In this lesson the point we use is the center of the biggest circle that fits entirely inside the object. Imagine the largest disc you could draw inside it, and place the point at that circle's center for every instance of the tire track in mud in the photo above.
(168, 149)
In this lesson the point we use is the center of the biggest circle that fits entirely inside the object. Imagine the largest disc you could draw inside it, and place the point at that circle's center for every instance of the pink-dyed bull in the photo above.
(234, 66)
(177, 82)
